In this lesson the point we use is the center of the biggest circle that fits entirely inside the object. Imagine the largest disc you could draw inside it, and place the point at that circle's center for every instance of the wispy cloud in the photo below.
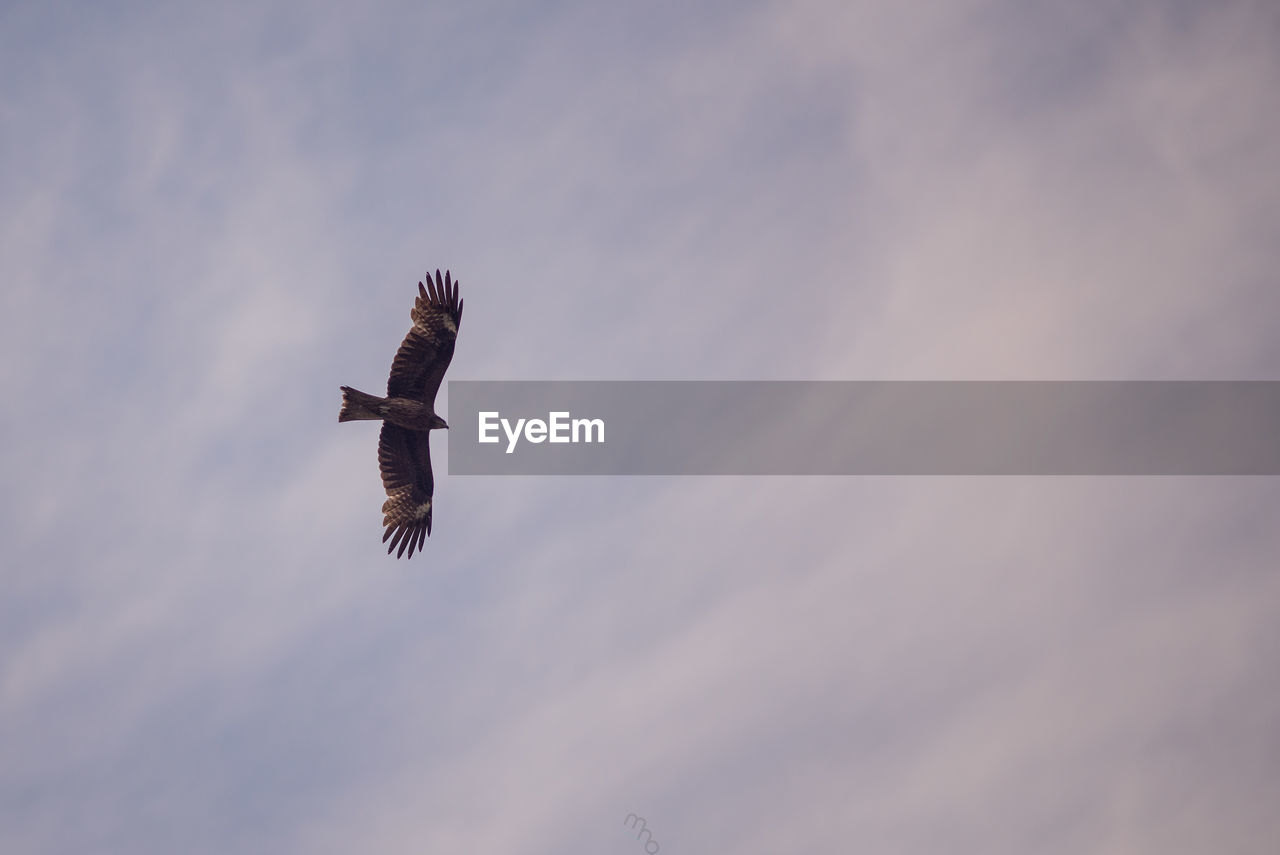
(211, 219)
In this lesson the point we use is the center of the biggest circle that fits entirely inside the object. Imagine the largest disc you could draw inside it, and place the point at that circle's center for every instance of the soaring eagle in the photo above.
(408, 412)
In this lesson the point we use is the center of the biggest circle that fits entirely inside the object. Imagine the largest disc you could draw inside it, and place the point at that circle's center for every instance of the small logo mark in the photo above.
(635, 821)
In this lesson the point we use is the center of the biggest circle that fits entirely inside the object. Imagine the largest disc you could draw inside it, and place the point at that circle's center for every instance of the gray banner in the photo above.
(863, 428)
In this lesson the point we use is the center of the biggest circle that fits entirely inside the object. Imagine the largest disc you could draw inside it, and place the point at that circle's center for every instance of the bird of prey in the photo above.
(408, 413)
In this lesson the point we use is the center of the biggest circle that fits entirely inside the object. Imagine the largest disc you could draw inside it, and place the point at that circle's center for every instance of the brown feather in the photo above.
(404, 456)
(427, 349)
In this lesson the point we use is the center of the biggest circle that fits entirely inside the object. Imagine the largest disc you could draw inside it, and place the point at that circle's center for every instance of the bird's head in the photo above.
(437, 422)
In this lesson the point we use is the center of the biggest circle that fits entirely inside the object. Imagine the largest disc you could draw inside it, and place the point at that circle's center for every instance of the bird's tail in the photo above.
(360, 405)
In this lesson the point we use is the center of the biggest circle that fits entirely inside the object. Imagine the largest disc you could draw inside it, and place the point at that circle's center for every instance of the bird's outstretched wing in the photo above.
(404, 456)
(425, 353)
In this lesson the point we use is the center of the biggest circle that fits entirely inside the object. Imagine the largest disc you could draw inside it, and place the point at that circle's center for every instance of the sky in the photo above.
(212, 216)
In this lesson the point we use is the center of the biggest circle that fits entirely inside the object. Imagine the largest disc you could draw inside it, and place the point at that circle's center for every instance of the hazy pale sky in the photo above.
(210, 217)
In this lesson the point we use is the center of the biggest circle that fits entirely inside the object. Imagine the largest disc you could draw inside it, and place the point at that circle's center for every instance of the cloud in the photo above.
(210, 221)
